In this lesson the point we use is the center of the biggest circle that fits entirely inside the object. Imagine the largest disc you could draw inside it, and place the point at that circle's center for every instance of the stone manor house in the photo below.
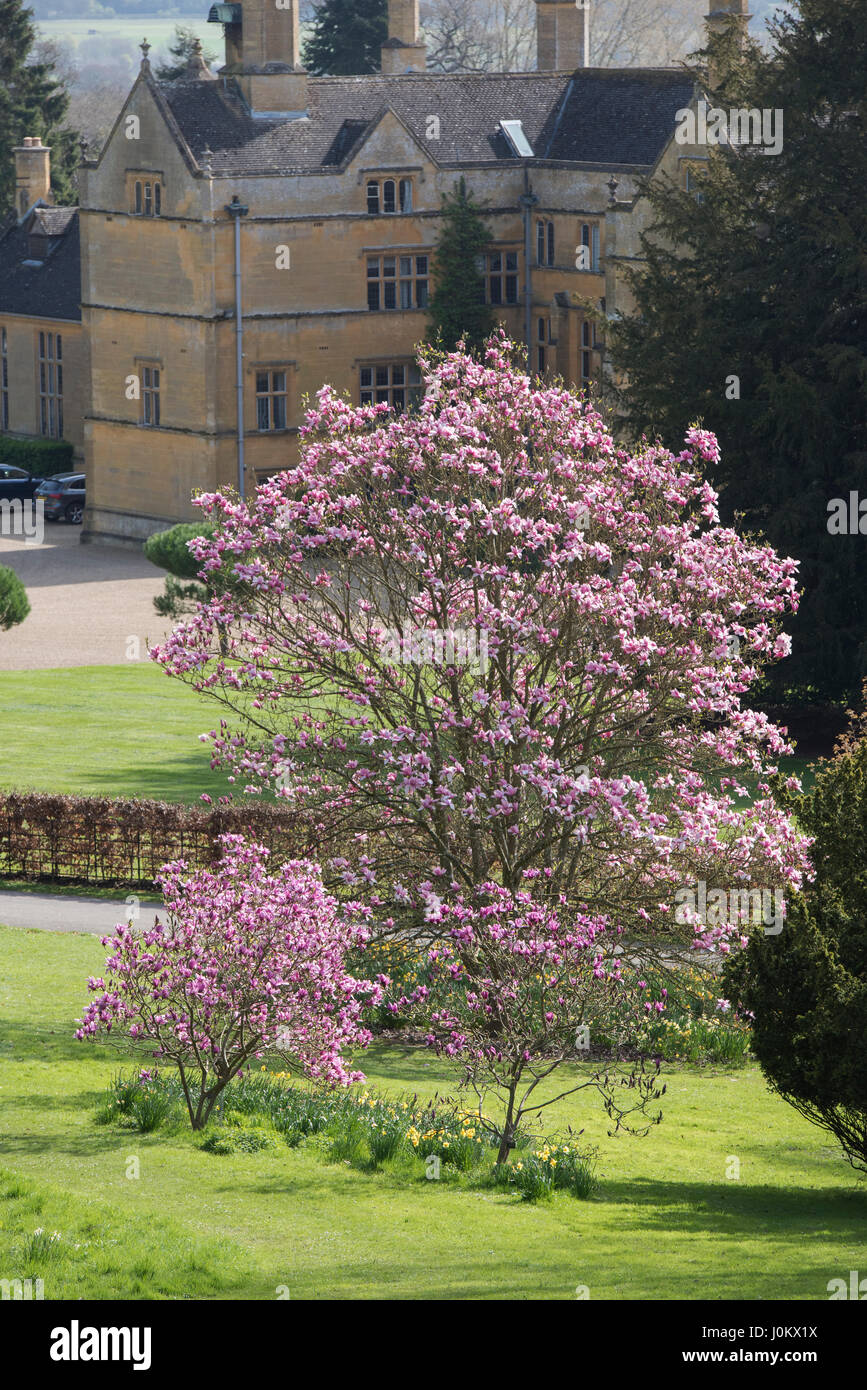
(314, 203)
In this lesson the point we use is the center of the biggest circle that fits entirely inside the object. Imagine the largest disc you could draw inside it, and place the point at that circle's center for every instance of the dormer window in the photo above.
(389, 196)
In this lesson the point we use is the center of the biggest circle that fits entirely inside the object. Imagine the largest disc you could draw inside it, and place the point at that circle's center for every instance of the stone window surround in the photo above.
(156, 179)
(251, 395)
(150, 392)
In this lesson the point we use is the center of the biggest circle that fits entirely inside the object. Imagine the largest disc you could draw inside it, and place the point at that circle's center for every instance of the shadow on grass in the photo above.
(736, 1208)
(21, 1043)
(405, 1064)
(88, 1143)
(182, 780)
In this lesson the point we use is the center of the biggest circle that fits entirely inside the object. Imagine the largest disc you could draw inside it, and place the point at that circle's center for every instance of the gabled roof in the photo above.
(594, 116)
(52, 288)
(50, 221)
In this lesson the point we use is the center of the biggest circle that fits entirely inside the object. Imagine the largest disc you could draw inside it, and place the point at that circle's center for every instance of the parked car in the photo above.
(17, 482)
(63, 497)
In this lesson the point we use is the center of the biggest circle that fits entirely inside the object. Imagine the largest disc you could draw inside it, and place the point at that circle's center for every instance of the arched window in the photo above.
(406, 195)
(158, 199)
(373, 197)
(388, 196)
(138, 202)
(148, 201)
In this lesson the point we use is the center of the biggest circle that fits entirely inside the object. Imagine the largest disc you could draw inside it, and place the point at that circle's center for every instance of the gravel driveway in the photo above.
(86, 602)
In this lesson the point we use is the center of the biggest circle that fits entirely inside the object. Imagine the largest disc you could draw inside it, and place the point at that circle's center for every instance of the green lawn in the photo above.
(666, 1223)
(117, 731)
(106, 731)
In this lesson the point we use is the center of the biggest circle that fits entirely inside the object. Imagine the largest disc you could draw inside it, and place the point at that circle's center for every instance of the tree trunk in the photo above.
(507, 1138)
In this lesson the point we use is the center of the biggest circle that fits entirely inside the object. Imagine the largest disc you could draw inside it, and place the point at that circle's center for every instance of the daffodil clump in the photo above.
(697, 1026)
(457, 1137)
(553, 1167)
(362, 1127)
(376, 1120)
(699, 1040)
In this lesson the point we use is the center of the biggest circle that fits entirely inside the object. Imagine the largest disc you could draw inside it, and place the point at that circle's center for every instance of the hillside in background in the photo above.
(93, 10)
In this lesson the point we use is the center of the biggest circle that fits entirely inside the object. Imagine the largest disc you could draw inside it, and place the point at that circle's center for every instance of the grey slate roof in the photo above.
(52, 289)
(596, 116)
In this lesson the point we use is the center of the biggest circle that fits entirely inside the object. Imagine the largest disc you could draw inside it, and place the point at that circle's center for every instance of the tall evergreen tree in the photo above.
(757, 323)
(32, 102)
(457, 306)
(347, 38)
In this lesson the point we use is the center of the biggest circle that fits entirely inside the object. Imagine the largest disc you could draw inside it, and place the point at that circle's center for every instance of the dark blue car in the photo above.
(17, 482)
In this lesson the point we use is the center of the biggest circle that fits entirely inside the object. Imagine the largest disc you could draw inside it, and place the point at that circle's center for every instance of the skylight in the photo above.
(518, 142)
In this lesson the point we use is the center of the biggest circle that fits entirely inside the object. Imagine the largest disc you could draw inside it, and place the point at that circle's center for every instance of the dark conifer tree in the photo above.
(347, 38)
(457, 306)
(32, 102)
(756, 324)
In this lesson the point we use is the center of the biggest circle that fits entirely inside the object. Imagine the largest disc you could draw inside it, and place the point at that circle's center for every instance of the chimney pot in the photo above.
(403, 50)
(264, 58)
(32, 173)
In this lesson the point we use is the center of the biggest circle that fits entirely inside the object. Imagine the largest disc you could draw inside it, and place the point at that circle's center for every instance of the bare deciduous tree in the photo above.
(644, 33)
(480, 35)
(500, 35)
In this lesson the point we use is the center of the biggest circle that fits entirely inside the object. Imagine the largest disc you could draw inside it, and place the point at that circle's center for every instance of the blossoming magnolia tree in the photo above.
(520, 989)
(488, 643)
(247, 961)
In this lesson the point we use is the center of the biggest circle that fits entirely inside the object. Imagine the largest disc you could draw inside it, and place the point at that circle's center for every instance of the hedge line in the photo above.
(115, 843)
(41, 457)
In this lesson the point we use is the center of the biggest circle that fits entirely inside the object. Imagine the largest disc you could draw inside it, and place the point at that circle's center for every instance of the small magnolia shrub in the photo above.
(247, 961)
(527, 985)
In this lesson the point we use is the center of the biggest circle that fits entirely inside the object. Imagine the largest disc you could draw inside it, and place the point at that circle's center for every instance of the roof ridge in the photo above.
(534, 74)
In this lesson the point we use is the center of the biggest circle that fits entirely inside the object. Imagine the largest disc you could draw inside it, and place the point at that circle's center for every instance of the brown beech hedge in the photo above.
(116, 843)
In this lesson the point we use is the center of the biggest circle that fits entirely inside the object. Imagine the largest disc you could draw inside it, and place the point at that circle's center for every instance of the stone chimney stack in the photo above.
(32, 173)
(263, 54)
(403, 50)
(562, 35)
(719, 18)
